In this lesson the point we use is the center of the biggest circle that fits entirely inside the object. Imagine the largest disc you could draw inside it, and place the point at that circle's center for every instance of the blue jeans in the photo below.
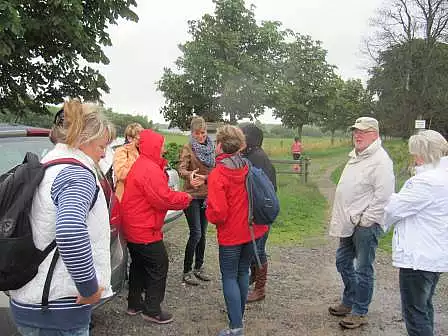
(31, 331)
(197, 223)
(358, 277)
(234, 262)
(417, 289)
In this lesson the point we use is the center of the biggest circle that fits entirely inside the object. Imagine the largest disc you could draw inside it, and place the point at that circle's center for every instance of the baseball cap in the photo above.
(365, 123)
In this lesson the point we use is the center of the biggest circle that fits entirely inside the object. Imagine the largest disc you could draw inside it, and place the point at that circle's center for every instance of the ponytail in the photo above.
(74, 122)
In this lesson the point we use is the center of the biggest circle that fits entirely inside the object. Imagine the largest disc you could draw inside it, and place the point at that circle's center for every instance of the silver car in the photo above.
(15, 142)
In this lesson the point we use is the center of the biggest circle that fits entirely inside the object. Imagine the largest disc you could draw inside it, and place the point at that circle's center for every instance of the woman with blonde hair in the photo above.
(196, 161)
(228, 209)
(420, 243)
(125, 156)
(68, 209)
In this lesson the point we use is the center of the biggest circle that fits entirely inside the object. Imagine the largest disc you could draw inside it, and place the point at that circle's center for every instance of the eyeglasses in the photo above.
(59, 118)
(361, 132)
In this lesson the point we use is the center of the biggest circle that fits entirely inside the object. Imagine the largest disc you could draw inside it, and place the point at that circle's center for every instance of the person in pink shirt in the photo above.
(296, 150)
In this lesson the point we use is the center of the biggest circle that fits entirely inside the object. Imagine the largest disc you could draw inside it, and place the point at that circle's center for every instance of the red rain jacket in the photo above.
(147, 197)
(228, 206)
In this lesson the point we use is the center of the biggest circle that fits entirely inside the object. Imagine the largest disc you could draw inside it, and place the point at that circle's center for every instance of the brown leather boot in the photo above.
(258, 293)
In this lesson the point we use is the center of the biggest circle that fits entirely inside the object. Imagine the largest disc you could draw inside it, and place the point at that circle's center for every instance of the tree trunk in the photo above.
(299, 132)
(332, 137)
(233, 120)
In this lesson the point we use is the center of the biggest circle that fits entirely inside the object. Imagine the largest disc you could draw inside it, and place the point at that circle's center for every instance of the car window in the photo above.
(13, 150)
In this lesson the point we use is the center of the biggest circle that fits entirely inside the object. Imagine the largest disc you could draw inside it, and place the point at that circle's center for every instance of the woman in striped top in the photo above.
(70, 207)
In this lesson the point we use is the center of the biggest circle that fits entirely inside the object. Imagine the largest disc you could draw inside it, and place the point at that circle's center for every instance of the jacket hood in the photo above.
(151, 145)
(443, 164)
(233, 166)
(254, 135)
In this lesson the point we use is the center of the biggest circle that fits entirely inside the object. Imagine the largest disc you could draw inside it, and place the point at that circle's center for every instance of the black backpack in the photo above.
(19, 257)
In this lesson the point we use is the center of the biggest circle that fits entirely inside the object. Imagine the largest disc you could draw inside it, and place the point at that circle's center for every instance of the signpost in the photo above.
(420, 124)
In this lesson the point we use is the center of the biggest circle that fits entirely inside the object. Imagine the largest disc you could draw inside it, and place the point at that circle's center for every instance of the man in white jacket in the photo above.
(362, 192)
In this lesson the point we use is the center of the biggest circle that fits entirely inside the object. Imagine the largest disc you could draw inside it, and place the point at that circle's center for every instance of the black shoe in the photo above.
(133, 312)
(189, 279)
(201, 275)
(162, 318)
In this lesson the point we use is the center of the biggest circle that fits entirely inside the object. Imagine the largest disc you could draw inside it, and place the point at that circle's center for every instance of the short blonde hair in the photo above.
(231, 138)
(197, 123)
(430, 145)
(132, 130)
(83, 123)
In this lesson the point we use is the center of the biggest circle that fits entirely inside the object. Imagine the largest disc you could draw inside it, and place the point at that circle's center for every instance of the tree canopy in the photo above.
(411, 62)
(223, 70)
(46, 46)
(300, 88)
(347, 101)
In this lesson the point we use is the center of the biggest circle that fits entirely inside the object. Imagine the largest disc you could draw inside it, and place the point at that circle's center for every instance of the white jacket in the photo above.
(43, 219)
(420, 215)
(363, 190)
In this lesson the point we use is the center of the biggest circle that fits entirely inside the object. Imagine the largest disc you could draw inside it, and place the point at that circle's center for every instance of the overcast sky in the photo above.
(141, 50)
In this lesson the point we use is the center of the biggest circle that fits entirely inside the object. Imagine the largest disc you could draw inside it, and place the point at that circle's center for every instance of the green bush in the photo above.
(172, 152)
(399, 153)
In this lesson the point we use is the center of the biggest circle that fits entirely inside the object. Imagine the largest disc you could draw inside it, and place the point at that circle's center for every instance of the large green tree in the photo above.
(302, 76)
(223, 69)
(346, 101)
(122, 120)
(410, 52)
(405, 93)
(45, 119)
(46, 46)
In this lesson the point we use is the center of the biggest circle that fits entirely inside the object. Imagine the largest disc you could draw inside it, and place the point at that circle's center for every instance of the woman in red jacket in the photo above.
(146, 200)
(227, 208)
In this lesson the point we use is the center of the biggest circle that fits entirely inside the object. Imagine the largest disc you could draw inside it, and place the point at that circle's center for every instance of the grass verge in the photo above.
(303, 212)
(336, 174)
(304, 209)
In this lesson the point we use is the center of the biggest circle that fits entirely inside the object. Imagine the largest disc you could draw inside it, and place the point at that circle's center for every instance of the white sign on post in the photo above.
(420, 124)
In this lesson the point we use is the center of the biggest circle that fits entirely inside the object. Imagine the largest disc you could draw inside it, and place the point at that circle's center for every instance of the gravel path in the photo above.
(302, 282)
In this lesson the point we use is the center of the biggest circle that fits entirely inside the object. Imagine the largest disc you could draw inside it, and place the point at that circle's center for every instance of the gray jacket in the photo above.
(363, 190)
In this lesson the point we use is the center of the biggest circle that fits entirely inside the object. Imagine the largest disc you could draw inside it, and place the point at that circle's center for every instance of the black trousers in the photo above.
(197, 223)
(148, 273)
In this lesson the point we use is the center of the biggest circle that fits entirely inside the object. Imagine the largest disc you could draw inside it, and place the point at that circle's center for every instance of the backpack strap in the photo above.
(52, 245)
(74, 162)
(250, 212)
(46, 291)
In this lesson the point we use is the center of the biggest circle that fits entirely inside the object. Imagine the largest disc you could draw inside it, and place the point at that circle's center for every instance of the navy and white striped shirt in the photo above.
(73, 192)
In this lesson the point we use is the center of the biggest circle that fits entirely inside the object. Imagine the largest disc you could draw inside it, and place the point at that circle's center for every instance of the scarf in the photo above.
(204, 152)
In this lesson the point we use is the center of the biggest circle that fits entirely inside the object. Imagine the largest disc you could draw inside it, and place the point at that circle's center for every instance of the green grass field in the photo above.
(303, 212)
(303, 209)
(281, 147)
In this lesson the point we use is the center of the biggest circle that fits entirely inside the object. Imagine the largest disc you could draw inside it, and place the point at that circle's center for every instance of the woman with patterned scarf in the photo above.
(196, 161)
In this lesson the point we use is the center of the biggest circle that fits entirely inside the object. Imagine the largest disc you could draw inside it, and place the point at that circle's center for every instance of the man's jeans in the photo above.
(234, 262)
(31, 331)
(358, 277)
(417, 289)
(197, 223)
